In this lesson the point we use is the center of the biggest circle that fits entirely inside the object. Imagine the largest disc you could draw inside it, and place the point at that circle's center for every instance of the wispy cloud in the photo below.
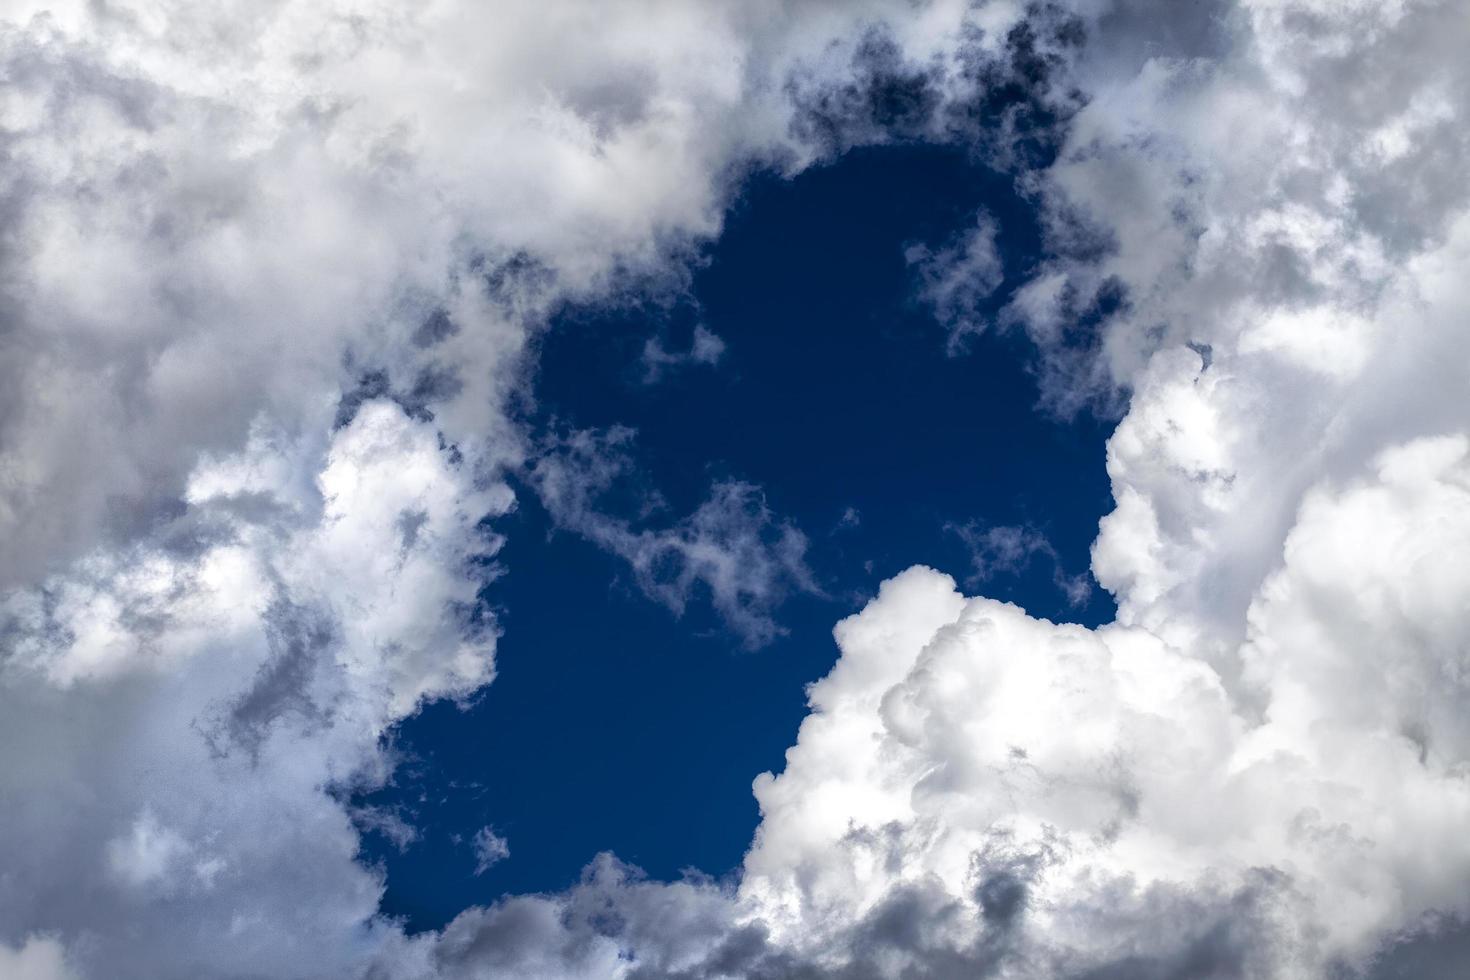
(490, 849)
(1008, 549)
(955, 279)
(705, 349)
(732, 546)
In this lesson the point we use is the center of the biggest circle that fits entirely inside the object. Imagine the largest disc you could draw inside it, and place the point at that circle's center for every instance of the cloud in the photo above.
(389, 823)
(957, 278)
(732, 545)
(272, 275)
(177, 717)
(38, 958)
(490, 848)
(1008, 549)
(705, 348)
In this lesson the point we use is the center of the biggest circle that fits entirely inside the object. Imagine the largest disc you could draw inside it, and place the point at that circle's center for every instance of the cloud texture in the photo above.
(272, 273)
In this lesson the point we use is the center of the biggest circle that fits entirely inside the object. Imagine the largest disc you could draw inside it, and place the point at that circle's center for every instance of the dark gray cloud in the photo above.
(300, 641)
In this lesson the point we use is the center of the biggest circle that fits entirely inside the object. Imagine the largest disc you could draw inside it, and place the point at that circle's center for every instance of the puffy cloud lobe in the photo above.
(1022, 769)
(38, 958)
(1121, 769)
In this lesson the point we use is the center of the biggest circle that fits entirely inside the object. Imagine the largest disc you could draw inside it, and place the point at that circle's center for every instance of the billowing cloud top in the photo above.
(271, 274)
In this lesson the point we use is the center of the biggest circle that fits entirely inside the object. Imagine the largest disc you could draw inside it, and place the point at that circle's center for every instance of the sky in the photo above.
(708, 489)
(810, 292)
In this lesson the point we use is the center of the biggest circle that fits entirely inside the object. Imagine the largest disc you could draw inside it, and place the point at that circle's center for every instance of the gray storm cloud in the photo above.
(272, 271)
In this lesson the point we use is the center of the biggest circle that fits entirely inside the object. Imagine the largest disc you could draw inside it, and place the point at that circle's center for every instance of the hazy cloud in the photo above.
(956, 278)
(490, 849)
(1008, 549)
(731, 546)
(705, 349)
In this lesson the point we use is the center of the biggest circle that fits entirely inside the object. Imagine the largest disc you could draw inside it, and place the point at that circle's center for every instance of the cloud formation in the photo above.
(271, 274)
(1009, 549)
(490, 848)
(955, 279)
(704, 349)
(731, 546)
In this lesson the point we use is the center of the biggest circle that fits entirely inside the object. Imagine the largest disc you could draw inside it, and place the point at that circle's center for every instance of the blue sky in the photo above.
(834, 392)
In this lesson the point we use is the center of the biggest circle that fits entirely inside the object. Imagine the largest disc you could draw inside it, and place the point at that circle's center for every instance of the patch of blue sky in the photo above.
(616, 726)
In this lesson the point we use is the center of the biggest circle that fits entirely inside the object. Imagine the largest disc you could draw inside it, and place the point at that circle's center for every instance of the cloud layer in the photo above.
(272, 274)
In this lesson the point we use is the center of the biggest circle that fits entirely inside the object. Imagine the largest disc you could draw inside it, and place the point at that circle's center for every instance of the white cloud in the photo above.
(38, 958)
(185, 790)
(490, 849)
(148, 854)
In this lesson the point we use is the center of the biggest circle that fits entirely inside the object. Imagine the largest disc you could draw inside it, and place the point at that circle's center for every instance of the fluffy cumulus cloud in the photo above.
(177, 714)
(272, 273)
